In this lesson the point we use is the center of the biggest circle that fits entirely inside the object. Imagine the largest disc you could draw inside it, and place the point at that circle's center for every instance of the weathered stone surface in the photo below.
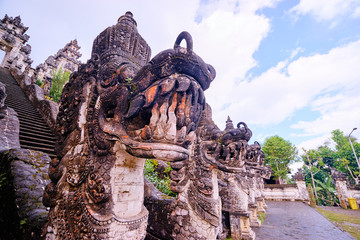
(26, 174)
(13, 39)
(2, 95)
(30, 178)
(119, 109)
(9, 124)
(49, 110)
(160, 207)
(35, 93)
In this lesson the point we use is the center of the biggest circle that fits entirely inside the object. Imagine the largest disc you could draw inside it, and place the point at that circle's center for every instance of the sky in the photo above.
(285, 67)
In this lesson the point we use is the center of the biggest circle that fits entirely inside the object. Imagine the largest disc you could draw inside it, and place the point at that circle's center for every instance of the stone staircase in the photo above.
(34, 134)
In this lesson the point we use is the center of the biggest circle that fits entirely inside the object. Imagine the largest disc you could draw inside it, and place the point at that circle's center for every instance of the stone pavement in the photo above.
(296, 220)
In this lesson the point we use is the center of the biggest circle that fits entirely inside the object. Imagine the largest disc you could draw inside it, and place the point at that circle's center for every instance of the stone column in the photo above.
(340, 185)
(240, 226)
(301, 186)
(254, 221)
(341, 190)
(303, 193)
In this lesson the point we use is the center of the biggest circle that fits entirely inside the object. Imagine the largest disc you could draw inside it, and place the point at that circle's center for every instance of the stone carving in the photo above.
(299, 176)
(112, 117)
(119, 109)
(235, 187)
(12, 41)
(9, 124)
(337, 175)
(340, 186)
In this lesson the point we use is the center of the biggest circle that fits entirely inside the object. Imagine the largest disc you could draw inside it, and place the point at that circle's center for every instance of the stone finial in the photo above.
(229, 124)
(123, 42)
(298, 176)
(337, 175)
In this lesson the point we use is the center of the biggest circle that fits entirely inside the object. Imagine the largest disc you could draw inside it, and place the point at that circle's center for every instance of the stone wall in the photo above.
(23, 180)
(286, 192)
(354, 192)
(9, 124)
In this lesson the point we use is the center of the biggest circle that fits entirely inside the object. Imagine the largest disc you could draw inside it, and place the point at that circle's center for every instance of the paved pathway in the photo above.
(296, 220)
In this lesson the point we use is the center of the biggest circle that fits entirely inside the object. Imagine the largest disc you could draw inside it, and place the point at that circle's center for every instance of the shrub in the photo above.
(163, 184)
(59, 79)
(39, 83)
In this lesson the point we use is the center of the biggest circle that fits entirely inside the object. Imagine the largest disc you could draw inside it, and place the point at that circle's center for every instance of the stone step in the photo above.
(50, 147)
(33, 121)
(45, 150)
(34, 133)
(41, 136)
(37, 139)
(29, 116)
(25, 110)
(30, 124)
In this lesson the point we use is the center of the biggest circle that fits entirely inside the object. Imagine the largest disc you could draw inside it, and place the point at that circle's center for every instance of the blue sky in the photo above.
(284, 67)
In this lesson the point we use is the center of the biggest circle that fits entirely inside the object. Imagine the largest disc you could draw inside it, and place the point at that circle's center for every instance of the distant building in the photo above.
(66, 58)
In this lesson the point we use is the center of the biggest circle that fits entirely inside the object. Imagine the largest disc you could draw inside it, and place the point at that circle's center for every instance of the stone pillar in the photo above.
(341, 190)
(303, 193)
(340, 186)
(254, 221)
(301, 186)
(261, 206)
(240, 226)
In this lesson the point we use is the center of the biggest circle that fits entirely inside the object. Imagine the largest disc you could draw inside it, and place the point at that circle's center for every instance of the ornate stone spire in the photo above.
(229, 124)
(299, 176)
(122, 41)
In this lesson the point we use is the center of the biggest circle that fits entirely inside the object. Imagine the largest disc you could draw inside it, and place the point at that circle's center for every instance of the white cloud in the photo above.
(296, 52)
(356, 12)
(327, 83)
(326, 10)
(313, 143)
(226, 34)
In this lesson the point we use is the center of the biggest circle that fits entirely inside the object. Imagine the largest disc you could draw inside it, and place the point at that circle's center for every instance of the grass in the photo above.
(350, 224)
(261, 217)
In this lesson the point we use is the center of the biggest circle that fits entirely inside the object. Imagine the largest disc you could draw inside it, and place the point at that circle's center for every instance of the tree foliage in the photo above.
(279, 153)
(317, 164)
(341, 157)
(60, 77)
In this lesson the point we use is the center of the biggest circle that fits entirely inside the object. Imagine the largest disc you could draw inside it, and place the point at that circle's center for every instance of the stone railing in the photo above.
(286, 192)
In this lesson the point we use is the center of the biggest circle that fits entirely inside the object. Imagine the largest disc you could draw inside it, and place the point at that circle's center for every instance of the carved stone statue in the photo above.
(115, 112)
(118, 110)
(234, 186)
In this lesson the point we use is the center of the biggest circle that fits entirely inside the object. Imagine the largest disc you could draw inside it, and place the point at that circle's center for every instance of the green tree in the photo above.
(279, 153)
(60, 77)
(345, 160)
(326, 191)
(313, 167)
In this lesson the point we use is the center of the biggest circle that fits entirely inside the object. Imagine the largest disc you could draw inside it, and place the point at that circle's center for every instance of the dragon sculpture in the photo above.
(116, 111)
(235, 186)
